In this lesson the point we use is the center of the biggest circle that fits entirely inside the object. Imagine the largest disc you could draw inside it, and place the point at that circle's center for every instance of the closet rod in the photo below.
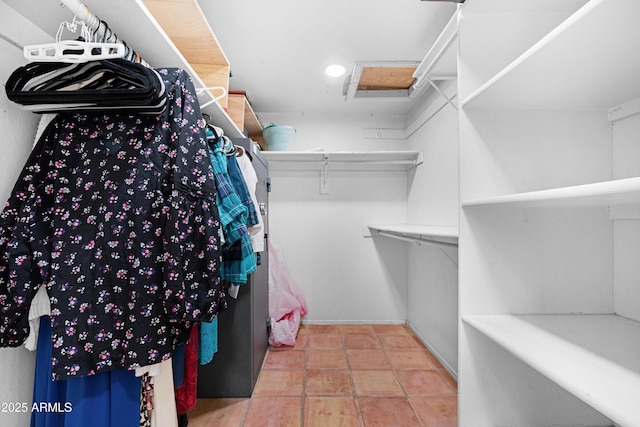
(370, 162)
(11, 41)
(98, 26)
(417, 240)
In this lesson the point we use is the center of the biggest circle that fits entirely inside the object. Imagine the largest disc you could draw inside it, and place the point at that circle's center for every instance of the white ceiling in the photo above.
(278, 49)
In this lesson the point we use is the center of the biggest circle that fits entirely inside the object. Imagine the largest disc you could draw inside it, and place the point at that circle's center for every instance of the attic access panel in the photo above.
(380, 80)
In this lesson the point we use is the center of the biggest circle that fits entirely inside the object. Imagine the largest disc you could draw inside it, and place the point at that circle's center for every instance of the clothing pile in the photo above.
(117, 248)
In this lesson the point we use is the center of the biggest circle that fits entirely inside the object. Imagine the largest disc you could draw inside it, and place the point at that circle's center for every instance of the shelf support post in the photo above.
(324, 177)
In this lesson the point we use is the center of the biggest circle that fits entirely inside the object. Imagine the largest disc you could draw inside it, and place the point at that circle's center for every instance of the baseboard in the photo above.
(353, 322)
(433, 351)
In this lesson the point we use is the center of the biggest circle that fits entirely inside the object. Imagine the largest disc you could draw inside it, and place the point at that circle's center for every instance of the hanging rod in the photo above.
(99, 27)
(416, 240)
(409, 158)
(329, 160)
(11, 41)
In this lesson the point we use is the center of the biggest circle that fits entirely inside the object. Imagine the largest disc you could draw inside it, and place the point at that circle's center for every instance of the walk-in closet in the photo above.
(418, 213)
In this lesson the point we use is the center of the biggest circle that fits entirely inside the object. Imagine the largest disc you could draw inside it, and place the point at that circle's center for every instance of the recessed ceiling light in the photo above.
(335, 70)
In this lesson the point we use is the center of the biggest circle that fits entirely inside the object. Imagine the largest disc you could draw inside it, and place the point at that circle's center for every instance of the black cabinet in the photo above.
(243, 327)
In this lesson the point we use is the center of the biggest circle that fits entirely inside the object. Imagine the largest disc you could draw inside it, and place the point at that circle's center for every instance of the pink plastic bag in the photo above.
(286, 302)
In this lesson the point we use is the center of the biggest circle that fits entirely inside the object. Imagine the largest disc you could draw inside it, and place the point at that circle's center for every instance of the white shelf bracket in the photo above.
(621, 112)
(419, 160)
(324, 177)
(449, 100)
(416, 240)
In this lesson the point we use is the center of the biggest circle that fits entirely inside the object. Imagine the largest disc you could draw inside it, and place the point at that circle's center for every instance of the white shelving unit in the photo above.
(440, 63)
(326, 161)
(616, 192)
(550, 224)
(416, 233)
(581, 353)
(344, 160)
(559, 75)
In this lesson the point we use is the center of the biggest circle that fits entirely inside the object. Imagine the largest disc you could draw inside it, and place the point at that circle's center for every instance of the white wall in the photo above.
(626, 164)
(18, 131)
(344, 276)
(432, 310)
(338, 132)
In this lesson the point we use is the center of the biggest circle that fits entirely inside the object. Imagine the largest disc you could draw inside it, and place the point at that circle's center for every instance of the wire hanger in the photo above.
(215, 98)
(74, 51)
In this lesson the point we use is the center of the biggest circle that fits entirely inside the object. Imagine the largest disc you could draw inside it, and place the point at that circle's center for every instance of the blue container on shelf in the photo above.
(278, 138)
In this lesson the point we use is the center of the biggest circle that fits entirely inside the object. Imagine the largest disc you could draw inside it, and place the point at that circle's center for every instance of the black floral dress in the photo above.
(116, 216)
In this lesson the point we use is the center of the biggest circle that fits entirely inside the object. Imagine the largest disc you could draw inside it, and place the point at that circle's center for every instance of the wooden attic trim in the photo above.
(386, 78)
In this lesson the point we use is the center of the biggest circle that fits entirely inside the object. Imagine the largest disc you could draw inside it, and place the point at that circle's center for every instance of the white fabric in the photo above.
(152, 370)
(233, 291)
(164, 412)
(249, 174)
(40, 305)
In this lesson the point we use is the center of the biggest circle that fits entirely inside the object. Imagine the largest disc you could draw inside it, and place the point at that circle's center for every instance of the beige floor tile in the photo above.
(343, 376)
(219, 412)
(325, 342)
(398, 342)
(328, 382)
(423, 383)
(409, 359)
(436, 411)
(323, 329)
(327, 359)
(331, 412)
(362, 342)
(279, 383)
(265, 411)
(291, 359)
(376, 383)
(385, 329)
(368, 359)
(356, 329)
(387, 412)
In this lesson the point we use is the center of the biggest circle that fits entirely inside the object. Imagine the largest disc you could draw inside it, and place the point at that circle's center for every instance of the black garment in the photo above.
(116, 216)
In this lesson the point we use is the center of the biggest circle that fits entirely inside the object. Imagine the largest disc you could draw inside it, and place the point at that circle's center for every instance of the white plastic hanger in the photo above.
(73, 51)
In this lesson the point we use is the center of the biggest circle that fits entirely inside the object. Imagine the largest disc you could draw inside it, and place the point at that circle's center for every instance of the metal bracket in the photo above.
(324, 177)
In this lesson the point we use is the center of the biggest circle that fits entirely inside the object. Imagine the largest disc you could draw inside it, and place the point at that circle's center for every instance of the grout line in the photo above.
(442, 372)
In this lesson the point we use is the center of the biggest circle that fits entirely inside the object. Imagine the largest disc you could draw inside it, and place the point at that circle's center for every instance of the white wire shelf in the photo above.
(343, 160)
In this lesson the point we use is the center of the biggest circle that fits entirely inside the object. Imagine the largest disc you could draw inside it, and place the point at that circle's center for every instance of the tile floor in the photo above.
(343, 375)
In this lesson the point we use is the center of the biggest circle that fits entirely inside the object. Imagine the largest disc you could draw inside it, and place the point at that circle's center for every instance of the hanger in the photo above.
(74, 51)
(86, 75)
(98, 71)
(227, 146)
(114, 84)
(212, 134)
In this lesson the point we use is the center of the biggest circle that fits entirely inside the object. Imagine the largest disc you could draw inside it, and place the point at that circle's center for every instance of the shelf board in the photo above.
(437, 234)
(594, 357)
(343, 160)
(616, 192)
(554, 74)
(188, 29)
(441, 62)
(243, 115)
